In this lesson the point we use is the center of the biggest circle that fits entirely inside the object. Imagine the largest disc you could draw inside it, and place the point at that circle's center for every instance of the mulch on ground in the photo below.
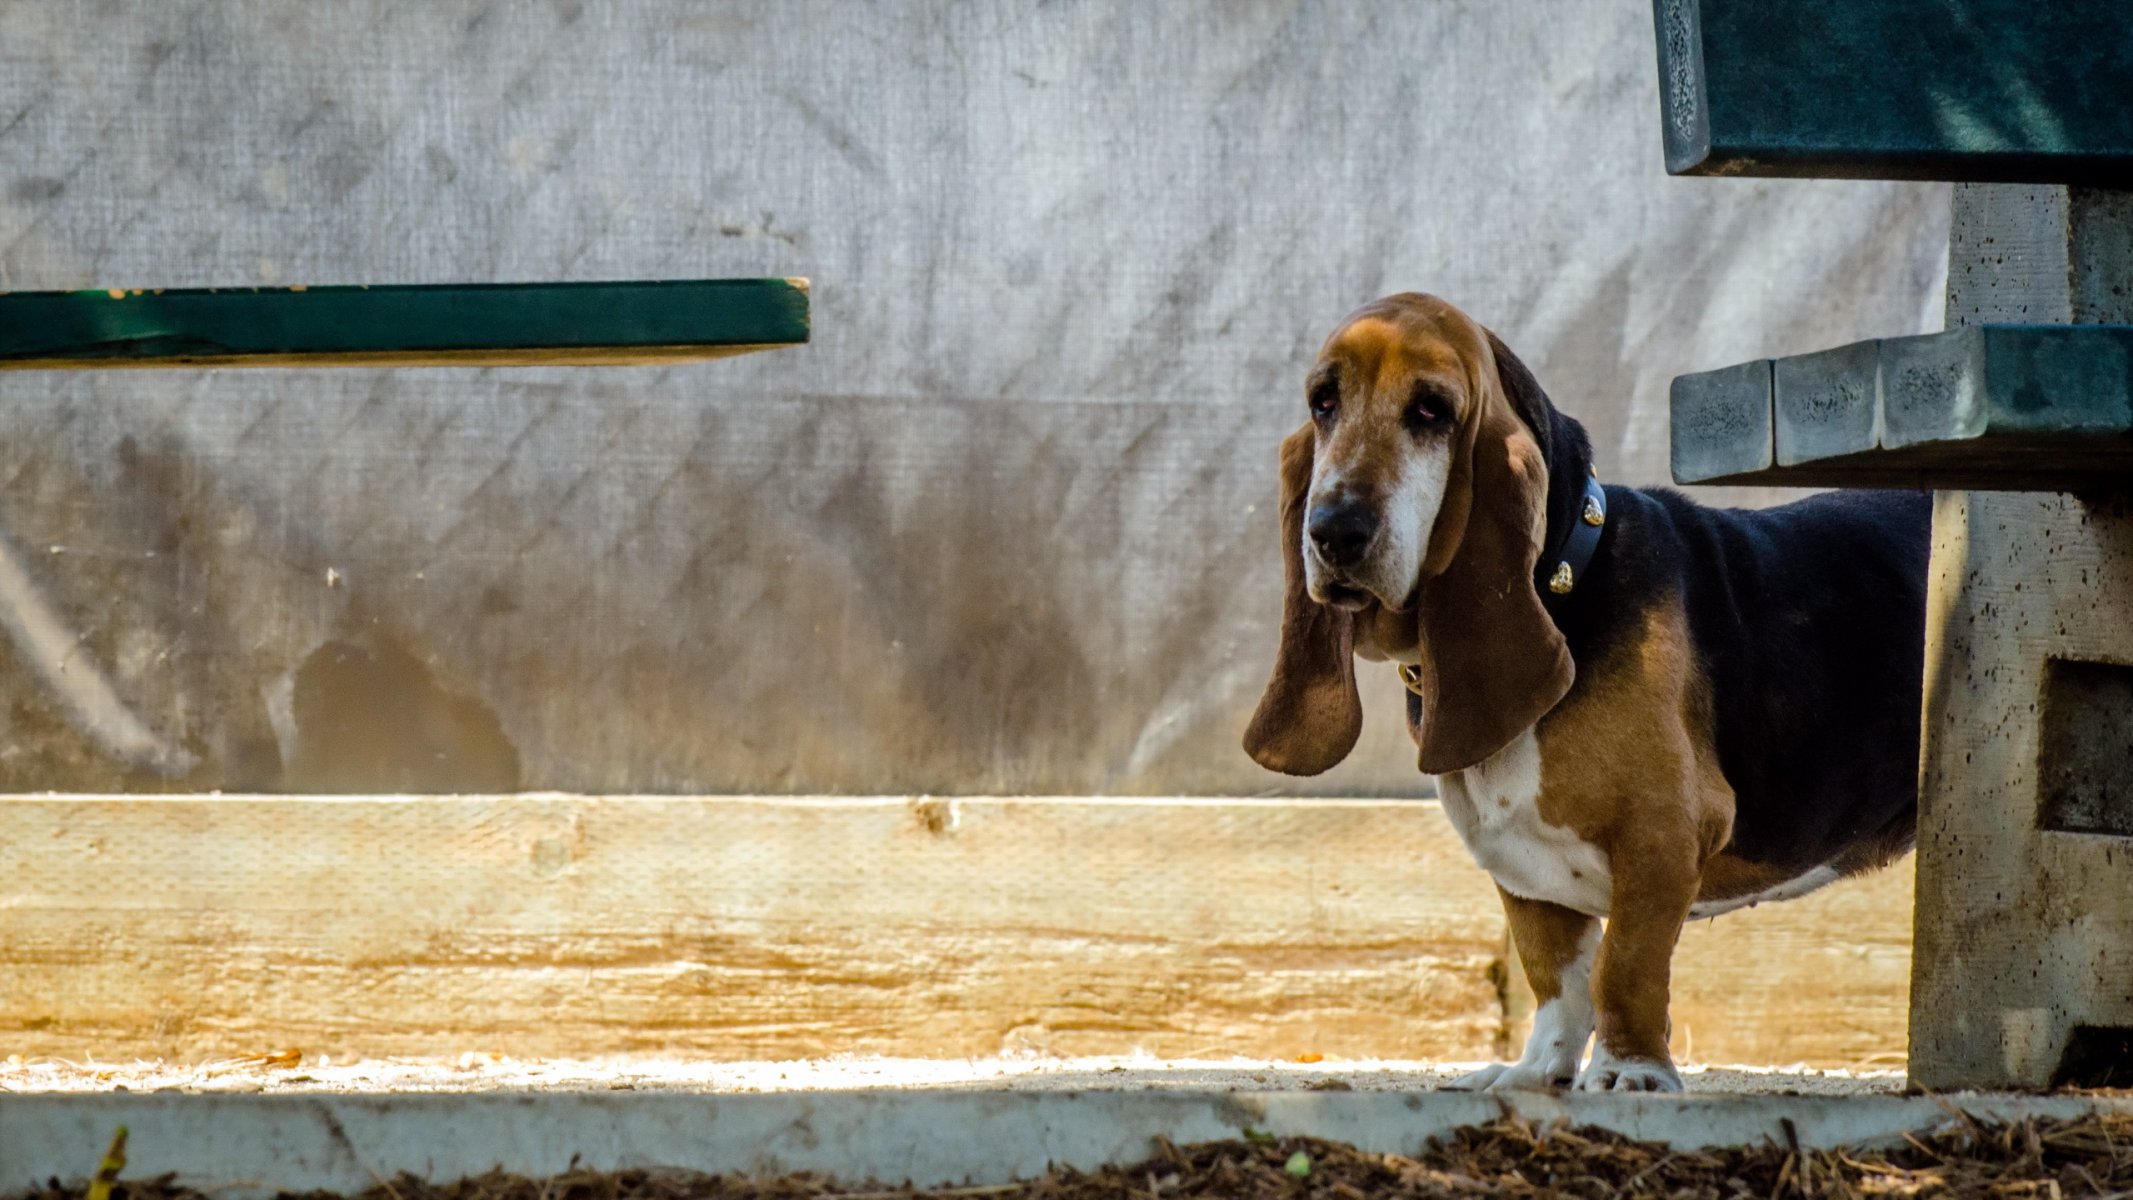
(2088, 1157)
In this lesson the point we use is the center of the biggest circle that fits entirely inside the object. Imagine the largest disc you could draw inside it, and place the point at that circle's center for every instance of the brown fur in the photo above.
(1628, 757)
(1548, 937)
(1310, 716)
(1627, 764)
(1475, 622)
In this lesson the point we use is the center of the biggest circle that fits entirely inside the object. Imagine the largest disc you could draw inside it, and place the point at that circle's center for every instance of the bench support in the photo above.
(2022, 968)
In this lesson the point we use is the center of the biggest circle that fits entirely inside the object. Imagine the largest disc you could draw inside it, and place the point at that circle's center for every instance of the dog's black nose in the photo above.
(1342, 531)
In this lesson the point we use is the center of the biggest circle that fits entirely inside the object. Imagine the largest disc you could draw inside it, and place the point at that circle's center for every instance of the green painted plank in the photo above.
(1721, 422)
(2003, 381)
(2011, 407)
(529, 324)
(1824, 403)
(2033, 91)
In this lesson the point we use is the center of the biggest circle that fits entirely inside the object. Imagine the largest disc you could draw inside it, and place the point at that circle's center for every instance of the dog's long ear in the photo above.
(1493, 661)
(1310, 716)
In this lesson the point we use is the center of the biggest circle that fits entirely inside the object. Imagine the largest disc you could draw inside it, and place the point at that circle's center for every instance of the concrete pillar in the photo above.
(2022, 969)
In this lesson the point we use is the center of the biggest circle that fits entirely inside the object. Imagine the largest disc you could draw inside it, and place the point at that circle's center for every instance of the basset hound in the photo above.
(1638, 709)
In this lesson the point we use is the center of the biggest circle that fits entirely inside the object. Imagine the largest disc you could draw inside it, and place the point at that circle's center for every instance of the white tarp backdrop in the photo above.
(1004, 527)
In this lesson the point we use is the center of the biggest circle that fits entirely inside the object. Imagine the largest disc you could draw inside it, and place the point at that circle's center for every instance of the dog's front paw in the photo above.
(1498, 1076)
(1607, 1073)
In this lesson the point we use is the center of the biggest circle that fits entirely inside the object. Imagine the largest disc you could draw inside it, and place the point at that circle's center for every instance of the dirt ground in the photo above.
(292, 1071)
(2088, 1158)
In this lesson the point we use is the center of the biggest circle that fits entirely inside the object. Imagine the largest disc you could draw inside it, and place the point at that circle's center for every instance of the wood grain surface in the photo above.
(201, 927)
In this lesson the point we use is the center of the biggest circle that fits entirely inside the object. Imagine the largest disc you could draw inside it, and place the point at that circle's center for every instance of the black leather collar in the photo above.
(1570, 551)
(1557, 573)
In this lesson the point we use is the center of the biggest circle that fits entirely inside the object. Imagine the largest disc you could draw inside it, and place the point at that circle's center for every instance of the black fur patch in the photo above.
(1809, 627)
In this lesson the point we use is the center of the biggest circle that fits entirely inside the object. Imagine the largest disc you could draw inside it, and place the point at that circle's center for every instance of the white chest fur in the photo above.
(1495, 807)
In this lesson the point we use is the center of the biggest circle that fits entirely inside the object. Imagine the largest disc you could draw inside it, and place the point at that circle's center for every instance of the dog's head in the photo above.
(1413, 504)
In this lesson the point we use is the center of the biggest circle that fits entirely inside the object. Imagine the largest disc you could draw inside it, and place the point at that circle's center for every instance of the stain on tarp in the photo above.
(373, 718)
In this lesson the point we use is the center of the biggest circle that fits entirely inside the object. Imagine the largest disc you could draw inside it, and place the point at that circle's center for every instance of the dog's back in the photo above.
(1809, 620)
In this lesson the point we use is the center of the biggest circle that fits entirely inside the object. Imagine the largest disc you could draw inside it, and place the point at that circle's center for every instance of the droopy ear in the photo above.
(1493, 662)
(1310, 716)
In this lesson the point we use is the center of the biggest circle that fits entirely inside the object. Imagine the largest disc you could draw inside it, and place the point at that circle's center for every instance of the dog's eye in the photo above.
(1325, 401)
(1428, 408)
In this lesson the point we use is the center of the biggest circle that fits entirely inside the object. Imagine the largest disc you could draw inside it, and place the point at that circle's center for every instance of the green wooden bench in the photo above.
(511, 324)
(1990, 407)
(2021, 413)
(2014, 90)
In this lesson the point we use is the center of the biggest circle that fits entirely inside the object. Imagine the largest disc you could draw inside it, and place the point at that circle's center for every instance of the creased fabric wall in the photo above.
(1006, 526)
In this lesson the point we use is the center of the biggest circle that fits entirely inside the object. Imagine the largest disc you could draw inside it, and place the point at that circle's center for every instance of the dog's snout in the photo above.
(1342, 532)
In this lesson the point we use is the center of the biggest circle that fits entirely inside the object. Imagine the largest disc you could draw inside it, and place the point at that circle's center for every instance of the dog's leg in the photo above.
(1556, 945)
(1653, 888)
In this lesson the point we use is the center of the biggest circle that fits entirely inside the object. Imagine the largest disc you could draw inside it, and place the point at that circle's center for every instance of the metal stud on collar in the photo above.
(1561, 582)
(1593, 515)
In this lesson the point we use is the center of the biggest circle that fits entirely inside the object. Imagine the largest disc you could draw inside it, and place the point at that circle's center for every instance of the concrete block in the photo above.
(1930, 387)
(2023, 949)
(2008, 384)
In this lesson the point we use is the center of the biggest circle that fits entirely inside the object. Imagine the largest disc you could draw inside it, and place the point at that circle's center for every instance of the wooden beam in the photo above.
(770, 928)
(1984, 90)
(1986, 407)
(1821, 980)
(541, 925)
(524, 324)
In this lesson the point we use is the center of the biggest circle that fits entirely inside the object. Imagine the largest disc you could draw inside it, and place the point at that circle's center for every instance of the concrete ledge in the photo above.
(255, 1145)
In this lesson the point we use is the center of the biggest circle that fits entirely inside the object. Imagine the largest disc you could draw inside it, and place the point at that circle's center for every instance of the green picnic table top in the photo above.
(402, 325)
(2028, 91)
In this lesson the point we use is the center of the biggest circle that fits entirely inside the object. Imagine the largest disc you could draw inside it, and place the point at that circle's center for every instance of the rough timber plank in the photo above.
(739, 928)
(504, 324)
(1818, 980)
(734, 928)
(2008, 90)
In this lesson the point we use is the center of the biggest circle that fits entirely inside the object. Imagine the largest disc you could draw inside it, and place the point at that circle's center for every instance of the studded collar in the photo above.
(1562, 563)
